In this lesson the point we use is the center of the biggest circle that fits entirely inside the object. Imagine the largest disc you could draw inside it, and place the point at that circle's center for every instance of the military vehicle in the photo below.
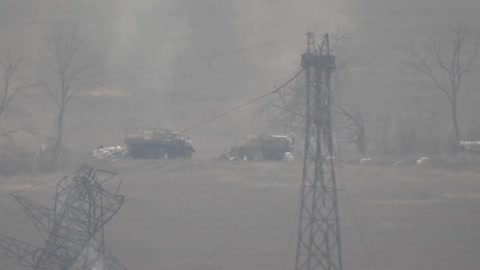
(157, 143)
(472, 147)
(263, 147)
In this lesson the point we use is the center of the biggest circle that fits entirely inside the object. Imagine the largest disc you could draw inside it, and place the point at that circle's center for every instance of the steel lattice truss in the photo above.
(73, 229)
(318, 246)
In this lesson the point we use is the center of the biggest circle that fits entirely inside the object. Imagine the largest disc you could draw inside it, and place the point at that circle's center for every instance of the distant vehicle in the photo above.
(110, 153)
(157, 143)
(470, 147)
(264, 147)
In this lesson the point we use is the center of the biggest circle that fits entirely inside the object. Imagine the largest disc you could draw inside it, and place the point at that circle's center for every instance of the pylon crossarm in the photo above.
(18, 251)
(42, 216)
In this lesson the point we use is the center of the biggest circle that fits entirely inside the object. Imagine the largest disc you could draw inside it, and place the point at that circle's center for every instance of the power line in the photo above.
(20, 222)
(242, 105)
(236, 51)
(6, 207)
(243, 220)
(292, 231)
(154, 68)
(8, 265)
(276, 90)
(103, 77)
(27, 188)
(55, 180)
(357, 226)
(290, 240)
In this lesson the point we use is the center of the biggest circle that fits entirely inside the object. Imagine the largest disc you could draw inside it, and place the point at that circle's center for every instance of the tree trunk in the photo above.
(58, 141)
(361, 140)
(456, 130)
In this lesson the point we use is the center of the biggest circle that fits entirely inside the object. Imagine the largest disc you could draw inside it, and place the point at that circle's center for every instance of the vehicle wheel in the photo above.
(171, 155)
(161, 152)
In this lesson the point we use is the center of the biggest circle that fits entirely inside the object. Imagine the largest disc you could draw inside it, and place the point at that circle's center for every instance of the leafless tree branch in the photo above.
(71, 58)
(454, 66)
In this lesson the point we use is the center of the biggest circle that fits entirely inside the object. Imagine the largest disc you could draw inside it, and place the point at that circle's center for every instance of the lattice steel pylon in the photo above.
(319, 243)
(73, 229)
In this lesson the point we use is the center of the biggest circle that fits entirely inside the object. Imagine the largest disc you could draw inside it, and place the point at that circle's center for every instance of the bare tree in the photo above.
(446, 64)
(382, 134)
(70, 59)
(11, 66)
(285, 111)
(406, 137)
(351, 123)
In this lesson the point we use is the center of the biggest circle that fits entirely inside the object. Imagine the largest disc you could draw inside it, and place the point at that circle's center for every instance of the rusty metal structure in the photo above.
(73, 229)
(318, 243)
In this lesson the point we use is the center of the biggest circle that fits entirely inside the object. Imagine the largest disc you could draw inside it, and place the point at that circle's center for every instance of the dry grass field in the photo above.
(199, 215)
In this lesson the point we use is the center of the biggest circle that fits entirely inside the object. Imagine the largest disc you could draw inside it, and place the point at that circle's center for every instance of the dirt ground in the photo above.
(186, 216)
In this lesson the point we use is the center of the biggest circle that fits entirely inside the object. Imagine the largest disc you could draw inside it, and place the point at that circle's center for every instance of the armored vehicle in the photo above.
(157, 143)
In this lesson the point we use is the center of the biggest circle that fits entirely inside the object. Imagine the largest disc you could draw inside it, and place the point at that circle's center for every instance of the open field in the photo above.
(187, 211)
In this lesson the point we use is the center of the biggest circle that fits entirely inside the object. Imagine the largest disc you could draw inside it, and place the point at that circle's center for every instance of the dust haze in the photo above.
(187, 66)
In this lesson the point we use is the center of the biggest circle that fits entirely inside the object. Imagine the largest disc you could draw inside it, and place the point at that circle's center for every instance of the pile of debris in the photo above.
(110, 153)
